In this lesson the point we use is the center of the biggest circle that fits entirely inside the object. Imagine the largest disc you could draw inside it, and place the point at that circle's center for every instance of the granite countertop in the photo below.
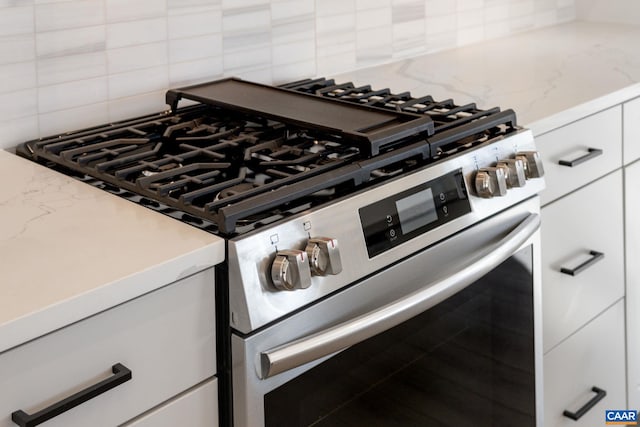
(68, 250)
(550, 77)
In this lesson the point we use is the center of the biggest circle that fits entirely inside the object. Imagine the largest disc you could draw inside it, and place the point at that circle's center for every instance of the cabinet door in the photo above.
(579, 370)
(588, 149)
(631, 134)
(632, 203)
(582, 232)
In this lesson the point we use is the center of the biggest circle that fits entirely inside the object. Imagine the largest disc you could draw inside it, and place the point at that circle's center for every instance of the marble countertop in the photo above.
(68, 250)
(550, 77)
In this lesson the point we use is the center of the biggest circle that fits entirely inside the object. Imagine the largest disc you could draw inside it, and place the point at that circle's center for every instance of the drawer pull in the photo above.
(595, 257)
(120, 375)
(600, 394)
(593, 152)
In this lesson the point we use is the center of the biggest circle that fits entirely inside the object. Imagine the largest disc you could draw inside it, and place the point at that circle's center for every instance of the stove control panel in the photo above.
(290, 270)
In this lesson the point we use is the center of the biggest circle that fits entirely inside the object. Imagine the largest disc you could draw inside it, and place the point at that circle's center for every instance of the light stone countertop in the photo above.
(68, 250)
(549, 77)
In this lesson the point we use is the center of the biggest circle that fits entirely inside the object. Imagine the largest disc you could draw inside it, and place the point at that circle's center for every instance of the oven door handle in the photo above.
(351, 332)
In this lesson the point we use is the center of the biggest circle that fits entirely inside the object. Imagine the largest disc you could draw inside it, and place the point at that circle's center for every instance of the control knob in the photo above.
(491, 182)
(324, 256)
(532, 163)
(514, 172)
(290, 270)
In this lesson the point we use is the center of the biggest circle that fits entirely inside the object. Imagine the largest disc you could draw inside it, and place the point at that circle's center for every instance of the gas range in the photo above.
(322, 190)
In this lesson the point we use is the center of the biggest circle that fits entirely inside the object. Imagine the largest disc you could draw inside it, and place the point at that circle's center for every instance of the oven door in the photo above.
(450, 336)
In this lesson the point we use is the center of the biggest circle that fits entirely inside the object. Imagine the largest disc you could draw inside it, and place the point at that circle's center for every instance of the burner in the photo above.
(235, 190)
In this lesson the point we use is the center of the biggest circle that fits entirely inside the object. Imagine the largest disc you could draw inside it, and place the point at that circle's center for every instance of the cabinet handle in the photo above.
(593, 152)
(595, 257)
(600, 394)
(120, 375)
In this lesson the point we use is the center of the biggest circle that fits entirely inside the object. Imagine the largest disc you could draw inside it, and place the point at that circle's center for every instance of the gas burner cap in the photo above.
(163, 168)
(236, 189)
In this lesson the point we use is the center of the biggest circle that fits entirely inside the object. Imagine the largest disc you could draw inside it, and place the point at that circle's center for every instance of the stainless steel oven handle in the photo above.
(341, 336)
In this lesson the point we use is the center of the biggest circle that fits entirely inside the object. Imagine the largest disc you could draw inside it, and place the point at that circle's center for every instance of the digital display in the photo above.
(416, 210)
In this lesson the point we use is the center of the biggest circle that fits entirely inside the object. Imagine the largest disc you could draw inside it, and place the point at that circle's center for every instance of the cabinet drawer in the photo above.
(593, 357)
(589, 219)
(166, 338)
(195, 408)
(631, 135)
(602, 131)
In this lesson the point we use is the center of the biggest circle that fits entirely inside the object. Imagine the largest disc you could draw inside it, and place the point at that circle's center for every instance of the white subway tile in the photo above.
(300, 51)
(18, 104)
(127, 10)
(242, 4)
(254, 20)
(546, 18)
(71, 68)
(73, 119)
(291, 72)
(293, 30)
(72, 94)
(251, 58)
(408, 38)
(335, 30)
(16, 20)
(373, 4)
(439, 7)
(470, 18)
(134, 106)
(202, 70)
(259, 75)
(195, 48)
(207, 21)
(335, 7)
(136, 32)
(178, 4)
(521, 8)
(334, 64)
(497, 29)
(15, 3)
(470, 35)
(18, 76)
(441, 24)
(18, 130)
(373, 46)
(137, 57)
(70, 42)
(465, 5)
(291, 9)
(17, 48)
(138, 82)
(496, 13)
(409, 11)
(441, 41)
(373, 18)
(73, 14)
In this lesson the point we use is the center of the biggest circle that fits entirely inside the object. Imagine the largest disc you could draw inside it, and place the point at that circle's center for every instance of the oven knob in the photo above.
(290, 270)
(491, 182)
(514, 172)
(324, 256)
(532, 164)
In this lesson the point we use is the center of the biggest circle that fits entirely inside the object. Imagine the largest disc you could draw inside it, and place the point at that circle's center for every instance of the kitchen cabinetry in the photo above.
(165, 338)
(583, 270)
(632, 224)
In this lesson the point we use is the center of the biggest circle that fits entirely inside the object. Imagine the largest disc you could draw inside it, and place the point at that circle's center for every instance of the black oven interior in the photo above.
(467, 361)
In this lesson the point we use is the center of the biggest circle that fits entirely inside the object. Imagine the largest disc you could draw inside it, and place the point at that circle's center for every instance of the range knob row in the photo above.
(292, 268)
(508, 173)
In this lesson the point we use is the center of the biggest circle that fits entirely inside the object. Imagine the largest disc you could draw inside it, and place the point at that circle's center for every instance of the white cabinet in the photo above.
(588, 368)
(583, 278)
(632, 223)
(165, 338)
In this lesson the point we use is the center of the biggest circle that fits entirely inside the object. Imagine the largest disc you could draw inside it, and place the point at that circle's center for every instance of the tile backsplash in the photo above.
(68, 64)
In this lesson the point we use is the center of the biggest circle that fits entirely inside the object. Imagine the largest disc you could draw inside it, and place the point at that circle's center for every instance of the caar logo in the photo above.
(621, 417)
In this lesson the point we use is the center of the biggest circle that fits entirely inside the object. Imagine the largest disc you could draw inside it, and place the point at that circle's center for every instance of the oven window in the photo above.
(469, 361)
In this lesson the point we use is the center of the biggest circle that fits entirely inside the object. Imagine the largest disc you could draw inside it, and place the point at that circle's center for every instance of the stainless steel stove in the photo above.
(349, 212)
